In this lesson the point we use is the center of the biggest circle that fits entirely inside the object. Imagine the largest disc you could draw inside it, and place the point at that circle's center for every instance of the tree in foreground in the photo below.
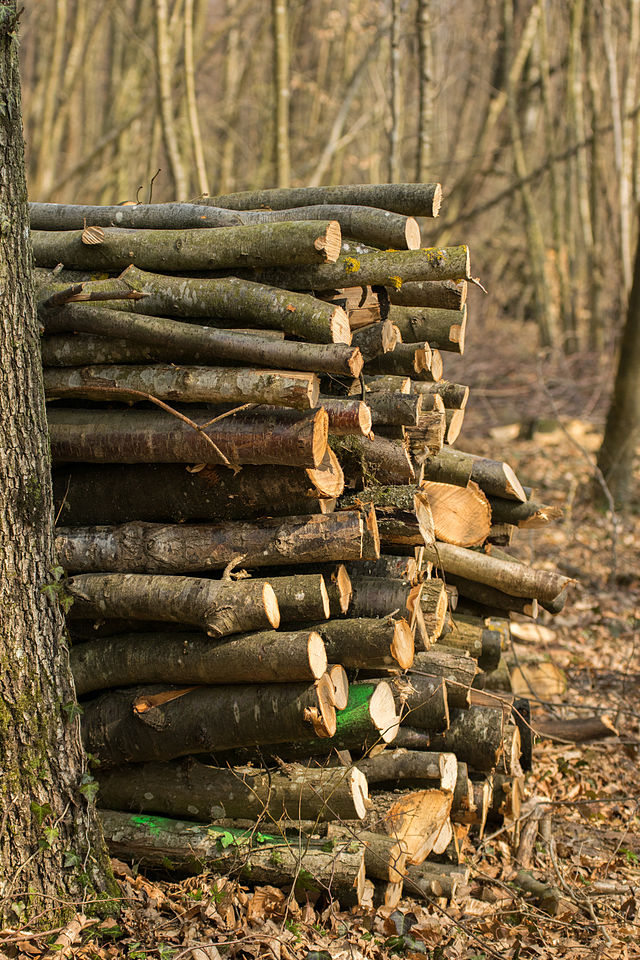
(621, 440)
(52, 856)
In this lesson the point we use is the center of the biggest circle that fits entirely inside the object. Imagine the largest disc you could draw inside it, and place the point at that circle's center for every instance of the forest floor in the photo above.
(590, 849)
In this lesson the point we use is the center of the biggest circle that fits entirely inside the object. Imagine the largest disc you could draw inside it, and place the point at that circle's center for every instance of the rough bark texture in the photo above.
(444, 329)
(368, 642)
(444, 294)
(45, 814)
(73, 216)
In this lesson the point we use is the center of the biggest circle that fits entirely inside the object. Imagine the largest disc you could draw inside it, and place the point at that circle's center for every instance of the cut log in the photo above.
(368, 642)
(494, 477)
(410, 199)
(139, 547)
(403, 513)
(394, 409)
(434, 603)
(137, 339)
(384, 857)
(461, 515)
(373, 597)
(507, 794)
(457, 668)
(374, 460)
(363, 304)
(371, 225)
(220, 607)
(114, 493)
(413, 765)
(405, 360)
(411, 739)
(442, 467)
(140, 724)
(376, 339)
(528, 515)
(338, 584)
(149, 216)
(336, 868)
(511, 577)
(428, 437)
(385, 383)
(479, 736)
(189, 658)
(174, 251)
(463, 809)
(454, 396)
(443, 294)
(340, 682)
(187, 788)
(578, 730)
(184, 384)
(394, 568)
(383, 267)
(436, 880)
(346, 417)
(454, 420)
(136, 436)
(239, 300)
(444, 329)
(488, 596)
(423, 702)
(416, 820)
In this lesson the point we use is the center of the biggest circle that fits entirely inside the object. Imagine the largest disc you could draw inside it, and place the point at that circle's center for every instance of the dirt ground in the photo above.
(543, 416)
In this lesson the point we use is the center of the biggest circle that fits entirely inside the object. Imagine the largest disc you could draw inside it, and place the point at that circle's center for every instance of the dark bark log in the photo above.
(413, 765)
(234, 385)
(371, 225)
(394, 409)
(579, 730)
(479, 736)
(368, 642)
(239, 300)
(189, 658)
(203, 720)
(380, 267)
(454, 396)
(181, 216)
(405, 360)
(494, 477)
(403, 513)
(395, 568)
(220, 607)
(139, 547)
(411, 739)
(410, 199)
(488, 596)
(443, 294)
(184, 250)
(347, 417)
(187, 788)
(149, 338)
(374, 597)
(444, 329)
(274, 860)
(134, 436)
(376, 339)
(423, 702)
(378, 460)
(456, 667)
(528, 515)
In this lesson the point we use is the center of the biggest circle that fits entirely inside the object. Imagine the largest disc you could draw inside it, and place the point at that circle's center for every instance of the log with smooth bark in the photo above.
(188, 788)
(461, 515)
(440, 467)
(375, 597)
(379, 460)
(140, 724)
(529, 515)
(443, 294)
(253, 245)
(380, 267)
(455, 666)
(489, 596)
(394, 409)
(479, 736)
(395, 568)
(149, 216)
(346, 417)
(494, 477)
(383, 383)
(405, 360)
(410, 199)
(371, 225)
(444, 329)
(183, 384)
(151, 338)
(400, 764)
(136, 436)
(511, 577)
(453, 395)
(220, 607)
(141, 547)
(242, 301)
(376, 339)
(190, 658)
(368, 642)
(334, 867)
(115, 493)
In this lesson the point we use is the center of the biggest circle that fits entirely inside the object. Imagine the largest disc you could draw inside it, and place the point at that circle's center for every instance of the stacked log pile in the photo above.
(288, 597)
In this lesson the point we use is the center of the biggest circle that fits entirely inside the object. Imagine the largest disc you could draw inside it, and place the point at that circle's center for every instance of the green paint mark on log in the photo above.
(357, 707)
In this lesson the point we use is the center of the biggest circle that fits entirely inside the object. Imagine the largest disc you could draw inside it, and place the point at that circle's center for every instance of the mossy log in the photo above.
(410, 199)
(149, 216)
(444, 329)
(253, 245)
(242, 301)
(516, 579)
(220, 607)
(135, 338)
(455, 666)
(461, 515)
(401, 765)
(371, 225)
(183, 384)
(453, 395)
(141, 724)
(336, 868)
(115, 493)
(403, 513)
(443, 294)
(480, 736)
(187, 788)
(190, 658)
(377, 460)
(368, 642)
(137, 436)
(380, 267)
(376, 339)
(140, 547)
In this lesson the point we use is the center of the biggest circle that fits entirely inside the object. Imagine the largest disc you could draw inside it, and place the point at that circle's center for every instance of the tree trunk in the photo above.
(144, 216)
(375, 227)
(410, 199)
(368, 642)
(444, 329)
(443, 294)
(51, 849)
(281, 90)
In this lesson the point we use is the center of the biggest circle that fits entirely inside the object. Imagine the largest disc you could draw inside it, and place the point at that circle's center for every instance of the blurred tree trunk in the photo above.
(192, 104)
(396, 94)
(281, 69)
(52, 854)
(165, 82)
(425, 90)
(621, 439)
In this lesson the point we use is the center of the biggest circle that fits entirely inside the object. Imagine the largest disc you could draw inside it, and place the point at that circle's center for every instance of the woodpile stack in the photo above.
(288, 597)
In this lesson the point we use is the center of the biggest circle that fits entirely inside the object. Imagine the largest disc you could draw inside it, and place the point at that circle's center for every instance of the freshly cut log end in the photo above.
(340, 683)
(461, 515)
(454, 419)
(412, 234)
(317, 655)
(271, 605)
(327, 716)
(382, 709)
(435, 208)
(327, 478)
(359, 792)
(402, 645)
(328, 245)
(341, 328)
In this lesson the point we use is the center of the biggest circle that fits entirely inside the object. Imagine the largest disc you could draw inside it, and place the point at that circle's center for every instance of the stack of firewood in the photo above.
(287, 592)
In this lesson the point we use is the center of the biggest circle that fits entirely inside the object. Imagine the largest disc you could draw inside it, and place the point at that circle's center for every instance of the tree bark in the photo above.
(394, 409)
(220, 607)
(456, 667)
(400, 765)
(454, 395)
(378, 460)
(376, 339)
(368, 642)
(120, 726)
(443, 294)
(51, 849)
(187, 788)
(410, 199)
(529, 515)
(444, 329)
(132, 436)
(375, 227)
(480, 736)
(141, 216)
(405, 360)
(489, 596)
